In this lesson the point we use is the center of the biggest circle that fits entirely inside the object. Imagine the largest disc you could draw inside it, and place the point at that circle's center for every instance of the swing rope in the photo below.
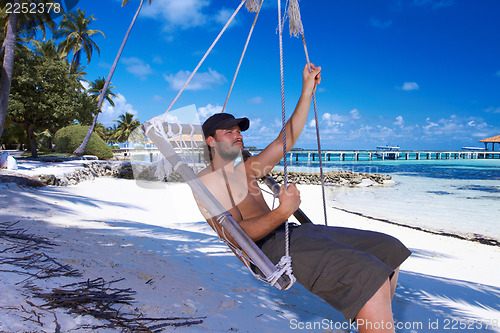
(243, 53)
(284, 266)
(205, 55)
(286, 261)
(296, 28)
(317, 138)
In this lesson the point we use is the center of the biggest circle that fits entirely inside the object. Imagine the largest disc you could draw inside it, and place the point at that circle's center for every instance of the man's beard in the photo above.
(229, 153)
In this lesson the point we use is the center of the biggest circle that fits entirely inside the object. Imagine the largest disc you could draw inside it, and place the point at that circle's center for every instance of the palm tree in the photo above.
(17, 23)
(96, 89)
(83, 146)
(74, 28)
(106, 133)
(47, 49)
(126, 125)
(79, 75)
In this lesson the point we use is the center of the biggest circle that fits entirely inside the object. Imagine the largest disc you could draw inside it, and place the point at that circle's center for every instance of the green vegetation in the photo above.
(44, 154)
(34, 106)
(47, 99)
(74, 28)
(126, 126)
(70, 137)
(104, 90)
(12, 26)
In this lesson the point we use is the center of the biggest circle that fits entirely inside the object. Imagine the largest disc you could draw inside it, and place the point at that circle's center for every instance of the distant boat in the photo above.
(387, 152)
(473, 148)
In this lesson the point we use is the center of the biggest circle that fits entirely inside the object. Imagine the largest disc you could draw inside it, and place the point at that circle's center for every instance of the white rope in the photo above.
(242, 54)
(285, 264)
(187, 151)
(295, 23)
(206, 54)
(296, 28)
(178, 164)
(163, 168)
(194, 146)
(317, 139)
(283, 267)
(253, 5)
(223, 237)
(286, 268)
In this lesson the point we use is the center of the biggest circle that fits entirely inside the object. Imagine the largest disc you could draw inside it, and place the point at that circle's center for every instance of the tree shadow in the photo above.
(53, 196)
(421, 300)
(441, 304)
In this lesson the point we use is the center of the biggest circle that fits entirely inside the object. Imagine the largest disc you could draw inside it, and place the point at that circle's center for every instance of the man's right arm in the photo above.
(262, 163)
(261, 226)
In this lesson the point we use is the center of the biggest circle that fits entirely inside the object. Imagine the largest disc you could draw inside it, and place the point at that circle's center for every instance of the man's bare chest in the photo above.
(247, 196)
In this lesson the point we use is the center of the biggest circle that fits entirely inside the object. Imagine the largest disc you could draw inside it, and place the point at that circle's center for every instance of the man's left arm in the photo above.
(264, 162)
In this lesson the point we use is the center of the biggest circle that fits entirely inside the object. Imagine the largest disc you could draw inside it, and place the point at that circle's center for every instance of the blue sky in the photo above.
(422, 74)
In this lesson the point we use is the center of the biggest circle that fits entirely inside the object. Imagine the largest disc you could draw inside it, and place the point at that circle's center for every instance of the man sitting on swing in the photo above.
(355, 271)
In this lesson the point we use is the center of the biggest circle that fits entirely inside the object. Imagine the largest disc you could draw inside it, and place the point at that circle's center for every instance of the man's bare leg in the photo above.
(394, 282)
(376, 314)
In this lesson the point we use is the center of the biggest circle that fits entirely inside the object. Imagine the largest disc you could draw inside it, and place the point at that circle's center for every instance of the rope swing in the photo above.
(296, 28)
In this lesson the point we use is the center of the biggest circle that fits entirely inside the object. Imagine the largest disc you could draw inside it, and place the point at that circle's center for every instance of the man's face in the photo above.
(228, 142)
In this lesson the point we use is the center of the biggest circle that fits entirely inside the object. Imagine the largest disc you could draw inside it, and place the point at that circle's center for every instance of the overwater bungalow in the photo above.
(492, 140)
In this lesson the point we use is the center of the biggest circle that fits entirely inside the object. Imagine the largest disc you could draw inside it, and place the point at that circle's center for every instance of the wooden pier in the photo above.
(369, 155)
(340, 155)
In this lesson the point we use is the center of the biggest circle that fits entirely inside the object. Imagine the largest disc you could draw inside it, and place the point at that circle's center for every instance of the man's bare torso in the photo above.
(243, 188)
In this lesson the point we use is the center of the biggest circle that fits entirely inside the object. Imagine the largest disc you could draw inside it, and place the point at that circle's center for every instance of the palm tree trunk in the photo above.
(31, 140)
(8, 66)
(80, 150)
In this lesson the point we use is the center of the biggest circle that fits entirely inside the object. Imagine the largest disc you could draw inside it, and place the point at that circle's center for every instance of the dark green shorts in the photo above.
(343, 266)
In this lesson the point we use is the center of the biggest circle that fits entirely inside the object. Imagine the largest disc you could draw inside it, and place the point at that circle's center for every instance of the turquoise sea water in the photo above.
(453, 196)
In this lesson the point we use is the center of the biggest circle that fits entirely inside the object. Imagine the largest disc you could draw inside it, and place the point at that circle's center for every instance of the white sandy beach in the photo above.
(153, 237)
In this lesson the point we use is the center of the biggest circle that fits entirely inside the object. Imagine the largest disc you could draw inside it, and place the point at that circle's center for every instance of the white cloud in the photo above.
(174, 14)
(200, 81)
(111, 113)
(205, 112)
(408, 86)
(137, 67)
(399, 121)
(223, 16)
(172, 118)
(257, 125)
(492, 110)
(256, 100)
(278, 123)
(330, 118)
(355, 114)
(455, 127)
(336, 120)
(430, 124)
(85, 84)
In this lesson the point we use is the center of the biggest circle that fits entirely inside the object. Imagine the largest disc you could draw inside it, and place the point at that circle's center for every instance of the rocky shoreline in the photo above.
(336, 178)
(127, 170)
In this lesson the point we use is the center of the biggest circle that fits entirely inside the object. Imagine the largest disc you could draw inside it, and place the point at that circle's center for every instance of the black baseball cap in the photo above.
(223, 121)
